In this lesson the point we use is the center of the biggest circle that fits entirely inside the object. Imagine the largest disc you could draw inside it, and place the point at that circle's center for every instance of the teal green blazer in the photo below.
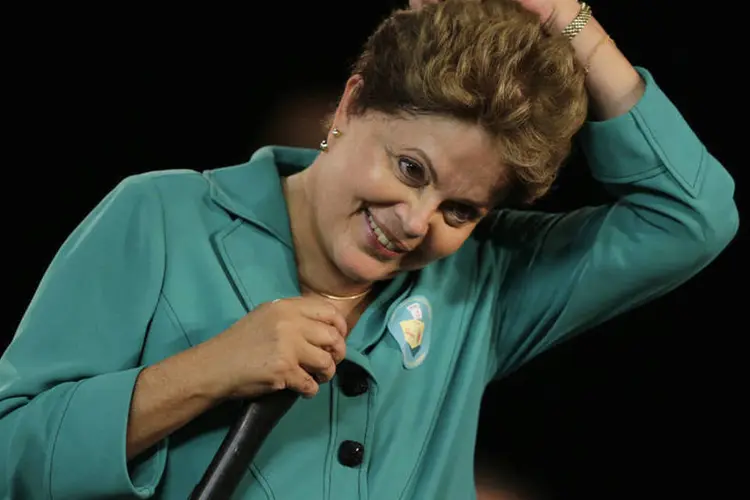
(169, 259)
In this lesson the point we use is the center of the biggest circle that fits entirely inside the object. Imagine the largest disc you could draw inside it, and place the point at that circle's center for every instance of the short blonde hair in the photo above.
(487, 62)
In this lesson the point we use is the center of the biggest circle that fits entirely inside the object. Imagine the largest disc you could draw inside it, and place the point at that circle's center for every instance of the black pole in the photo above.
(241, 444)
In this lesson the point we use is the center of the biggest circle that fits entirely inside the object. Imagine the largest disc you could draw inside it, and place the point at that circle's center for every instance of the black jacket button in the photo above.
(352, 379)
(351, 453)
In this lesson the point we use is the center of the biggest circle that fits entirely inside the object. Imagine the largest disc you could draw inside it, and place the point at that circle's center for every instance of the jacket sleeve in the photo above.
(67, 377)
(672, 213)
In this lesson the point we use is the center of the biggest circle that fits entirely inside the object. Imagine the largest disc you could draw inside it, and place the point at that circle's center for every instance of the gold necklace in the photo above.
(338, 297)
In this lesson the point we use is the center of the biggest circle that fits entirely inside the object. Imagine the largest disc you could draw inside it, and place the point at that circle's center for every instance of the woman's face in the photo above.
(396, 193)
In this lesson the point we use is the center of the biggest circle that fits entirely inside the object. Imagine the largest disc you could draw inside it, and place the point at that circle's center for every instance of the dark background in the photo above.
(646, 406)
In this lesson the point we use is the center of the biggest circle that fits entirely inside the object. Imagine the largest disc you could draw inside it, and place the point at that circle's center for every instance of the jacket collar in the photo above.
(253, 191)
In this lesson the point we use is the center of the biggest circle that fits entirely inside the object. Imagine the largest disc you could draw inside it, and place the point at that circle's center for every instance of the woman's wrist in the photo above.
(564, 12)
(585, 39)
(613, 84)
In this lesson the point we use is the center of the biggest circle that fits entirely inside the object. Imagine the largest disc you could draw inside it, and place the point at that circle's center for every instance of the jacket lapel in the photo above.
(261, 267)
(256, 249)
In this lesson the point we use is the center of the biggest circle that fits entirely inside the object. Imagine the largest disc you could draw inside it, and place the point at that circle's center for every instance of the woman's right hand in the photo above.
(286, 344)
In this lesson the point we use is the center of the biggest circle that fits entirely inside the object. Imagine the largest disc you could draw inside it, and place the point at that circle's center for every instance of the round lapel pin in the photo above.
(410, 325)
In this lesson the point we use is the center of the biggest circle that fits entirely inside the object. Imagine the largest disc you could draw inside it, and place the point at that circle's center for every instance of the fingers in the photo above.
(326, 337)
(324, 312)
(316, 331)
(317, 309)
(316, 362)
(302, 382)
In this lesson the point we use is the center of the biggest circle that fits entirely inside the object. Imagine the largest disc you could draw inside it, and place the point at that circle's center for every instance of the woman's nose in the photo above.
(415, 219)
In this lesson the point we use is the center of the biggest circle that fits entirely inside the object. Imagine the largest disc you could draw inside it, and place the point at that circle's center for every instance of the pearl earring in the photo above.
(324, 143)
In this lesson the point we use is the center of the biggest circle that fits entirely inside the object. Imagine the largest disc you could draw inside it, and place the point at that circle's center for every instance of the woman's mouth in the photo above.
(385, 243)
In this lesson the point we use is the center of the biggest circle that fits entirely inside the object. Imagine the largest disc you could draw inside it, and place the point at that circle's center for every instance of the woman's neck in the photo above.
(315, 269)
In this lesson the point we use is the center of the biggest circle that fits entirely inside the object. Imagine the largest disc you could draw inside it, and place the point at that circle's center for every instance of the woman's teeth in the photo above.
(382, 238)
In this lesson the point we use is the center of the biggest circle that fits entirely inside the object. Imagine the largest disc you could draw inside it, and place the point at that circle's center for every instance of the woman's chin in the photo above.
(362, 268)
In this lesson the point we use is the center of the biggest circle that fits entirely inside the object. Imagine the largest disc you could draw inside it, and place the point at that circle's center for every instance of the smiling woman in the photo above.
(388, 263)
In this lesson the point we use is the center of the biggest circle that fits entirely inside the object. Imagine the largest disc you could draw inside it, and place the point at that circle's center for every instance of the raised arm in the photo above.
(673, 213)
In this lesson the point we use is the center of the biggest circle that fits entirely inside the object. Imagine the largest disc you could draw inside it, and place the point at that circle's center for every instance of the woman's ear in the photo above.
(343, 110)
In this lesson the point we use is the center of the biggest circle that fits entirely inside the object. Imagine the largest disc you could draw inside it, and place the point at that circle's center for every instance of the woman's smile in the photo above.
(380, 240)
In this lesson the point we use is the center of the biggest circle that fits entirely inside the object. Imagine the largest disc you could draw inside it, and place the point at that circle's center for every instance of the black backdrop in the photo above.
(646, 406)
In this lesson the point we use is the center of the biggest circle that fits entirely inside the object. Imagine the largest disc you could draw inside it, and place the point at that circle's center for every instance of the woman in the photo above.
(386, 259)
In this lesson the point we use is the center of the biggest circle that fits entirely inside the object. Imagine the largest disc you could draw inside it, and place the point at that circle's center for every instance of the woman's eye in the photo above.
(461, 214)
(412, 171)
